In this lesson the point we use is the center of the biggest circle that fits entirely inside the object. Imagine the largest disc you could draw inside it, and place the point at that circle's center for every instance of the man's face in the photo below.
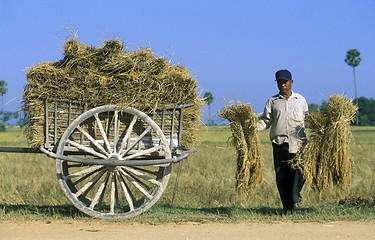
(285, 86)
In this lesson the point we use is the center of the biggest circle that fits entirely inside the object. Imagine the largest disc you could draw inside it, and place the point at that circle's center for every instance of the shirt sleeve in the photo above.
(266, 119)
(305, 107)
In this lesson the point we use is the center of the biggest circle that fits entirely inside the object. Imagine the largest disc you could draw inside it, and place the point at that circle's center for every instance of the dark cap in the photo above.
(283, 75)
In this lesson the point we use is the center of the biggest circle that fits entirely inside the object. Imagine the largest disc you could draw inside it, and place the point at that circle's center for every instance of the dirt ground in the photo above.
(86, 230)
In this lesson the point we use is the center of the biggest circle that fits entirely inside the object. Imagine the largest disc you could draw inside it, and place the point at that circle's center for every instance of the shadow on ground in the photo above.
(167, 212)
(50, 211)
(232, 211)
(71, 211)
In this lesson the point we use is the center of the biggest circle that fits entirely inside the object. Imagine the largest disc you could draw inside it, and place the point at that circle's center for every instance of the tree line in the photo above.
(365, 114)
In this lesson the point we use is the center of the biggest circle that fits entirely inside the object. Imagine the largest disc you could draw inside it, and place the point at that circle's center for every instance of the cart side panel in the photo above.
(60, 114)
(170, 121)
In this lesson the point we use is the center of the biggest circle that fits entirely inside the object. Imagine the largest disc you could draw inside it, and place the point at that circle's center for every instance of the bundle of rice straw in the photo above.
(110, 75)
(250, 163)
(326, 156)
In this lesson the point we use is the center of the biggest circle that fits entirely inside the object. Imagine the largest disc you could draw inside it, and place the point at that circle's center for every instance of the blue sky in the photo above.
(233, 48)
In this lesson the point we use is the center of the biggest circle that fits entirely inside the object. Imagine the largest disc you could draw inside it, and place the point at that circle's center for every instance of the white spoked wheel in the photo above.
(113, 133)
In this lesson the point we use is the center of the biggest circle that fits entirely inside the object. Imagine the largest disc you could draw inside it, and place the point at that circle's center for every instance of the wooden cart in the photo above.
(111, 161)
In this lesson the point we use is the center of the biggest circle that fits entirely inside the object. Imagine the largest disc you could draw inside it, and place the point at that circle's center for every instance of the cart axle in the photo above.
(114, 162)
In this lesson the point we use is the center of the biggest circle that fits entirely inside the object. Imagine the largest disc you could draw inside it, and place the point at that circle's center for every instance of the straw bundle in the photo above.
(326, 156)
(110, 75)
(250, 164)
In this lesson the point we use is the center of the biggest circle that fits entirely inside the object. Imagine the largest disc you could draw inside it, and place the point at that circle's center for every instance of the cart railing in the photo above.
(59, 114)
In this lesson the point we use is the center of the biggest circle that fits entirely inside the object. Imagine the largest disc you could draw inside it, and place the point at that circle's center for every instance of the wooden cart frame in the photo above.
(111, 161)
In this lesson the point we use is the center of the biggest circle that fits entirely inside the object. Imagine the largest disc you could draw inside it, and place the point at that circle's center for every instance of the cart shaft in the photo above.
(20, 150)
(31, 150)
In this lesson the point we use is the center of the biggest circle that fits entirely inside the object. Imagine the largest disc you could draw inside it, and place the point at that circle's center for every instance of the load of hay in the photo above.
(250, 163)
(110, 75)
(326, 156)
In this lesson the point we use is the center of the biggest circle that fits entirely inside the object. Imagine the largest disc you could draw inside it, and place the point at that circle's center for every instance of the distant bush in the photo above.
(366, 110)
(2, 127)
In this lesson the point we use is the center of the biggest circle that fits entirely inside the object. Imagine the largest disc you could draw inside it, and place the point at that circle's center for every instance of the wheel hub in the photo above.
(113, 156)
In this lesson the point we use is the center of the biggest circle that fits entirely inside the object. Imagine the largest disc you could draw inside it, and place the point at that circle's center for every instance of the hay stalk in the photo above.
(110, 75)
(326, 156)
(250, 163)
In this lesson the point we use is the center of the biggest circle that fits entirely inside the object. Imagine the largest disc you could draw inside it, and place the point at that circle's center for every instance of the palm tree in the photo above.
(353, 60)
(208, 98)
(3, 90)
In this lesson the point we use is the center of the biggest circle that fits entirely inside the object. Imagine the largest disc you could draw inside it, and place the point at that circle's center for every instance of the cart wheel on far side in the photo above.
(120, 133)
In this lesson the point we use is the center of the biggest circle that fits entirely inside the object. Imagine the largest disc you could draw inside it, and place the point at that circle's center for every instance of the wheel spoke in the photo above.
(104, 135)
(149, 171)
(115, 134)
(93, 141)
(142, 152)
(126, 192)
(135, 183)
(113, 191)
(90, 183)
(86, 149)
(142, 175)
(136, 141)
(84, 178)
(99, 192)
(127, 134)
(83, 172)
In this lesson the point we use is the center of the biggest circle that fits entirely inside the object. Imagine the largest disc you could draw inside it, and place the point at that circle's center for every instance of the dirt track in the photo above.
(82, 230)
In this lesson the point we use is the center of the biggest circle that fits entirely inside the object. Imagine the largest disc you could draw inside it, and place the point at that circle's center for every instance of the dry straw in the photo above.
(110, 75)
(326, 156)
(250, 163)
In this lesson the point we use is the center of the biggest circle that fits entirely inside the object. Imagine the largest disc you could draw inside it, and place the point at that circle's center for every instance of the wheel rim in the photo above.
(111, 132)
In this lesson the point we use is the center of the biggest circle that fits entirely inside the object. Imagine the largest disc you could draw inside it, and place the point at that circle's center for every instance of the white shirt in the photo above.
(286, 118)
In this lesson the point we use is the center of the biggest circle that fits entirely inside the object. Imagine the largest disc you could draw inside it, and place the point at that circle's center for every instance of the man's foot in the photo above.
(288, 211)
(298, 204)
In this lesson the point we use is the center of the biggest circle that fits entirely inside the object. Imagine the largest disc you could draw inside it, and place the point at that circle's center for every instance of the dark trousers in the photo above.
(289, 181)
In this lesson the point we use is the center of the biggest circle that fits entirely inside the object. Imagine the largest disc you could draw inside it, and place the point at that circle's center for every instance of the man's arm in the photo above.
(266, 119)
(306, 109)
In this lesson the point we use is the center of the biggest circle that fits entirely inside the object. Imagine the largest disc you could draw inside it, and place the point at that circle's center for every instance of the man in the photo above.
(285, 114)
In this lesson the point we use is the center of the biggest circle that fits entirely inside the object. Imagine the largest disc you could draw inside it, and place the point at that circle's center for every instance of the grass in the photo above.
(206, 187)
(160, 214)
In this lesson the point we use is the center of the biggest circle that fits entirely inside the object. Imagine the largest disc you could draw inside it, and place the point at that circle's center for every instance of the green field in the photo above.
(206, 186)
